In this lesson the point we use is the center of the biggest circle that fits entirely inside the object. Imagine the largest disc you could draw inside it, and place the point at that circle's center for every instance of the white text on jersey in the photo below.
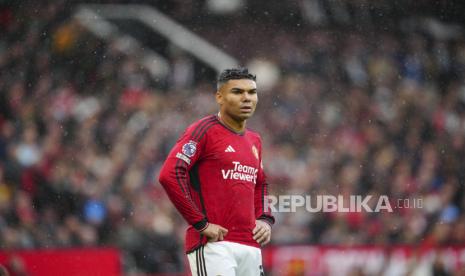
(241, 172)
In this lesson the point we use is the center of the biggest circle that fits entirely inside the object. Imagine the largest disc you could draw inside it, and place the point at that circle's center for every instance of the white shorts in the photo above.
(226, 259)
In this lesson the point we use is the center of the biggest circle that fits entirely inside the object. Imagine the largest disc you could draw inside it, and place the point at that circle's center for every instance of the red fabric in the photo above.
(89, 261)
(232, 195)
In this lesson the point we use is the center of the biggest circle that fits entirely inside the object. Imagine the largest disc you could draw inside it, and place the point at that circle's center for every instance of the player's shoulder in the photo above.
(252, 133)
(204, 120)
(198, 128)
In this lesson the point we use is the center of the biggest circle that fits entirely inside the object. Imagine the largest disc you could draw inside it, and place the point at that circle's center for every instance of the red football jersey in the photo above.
(214, 174)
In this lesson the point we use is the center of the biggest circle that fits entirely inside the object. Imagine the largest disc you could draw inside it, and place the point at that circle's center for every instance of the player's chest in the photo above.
(237, 152)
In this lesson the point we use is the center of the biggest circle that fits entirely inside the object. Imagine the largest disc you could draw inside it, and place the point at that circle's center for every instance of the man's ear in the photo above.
(219, 97)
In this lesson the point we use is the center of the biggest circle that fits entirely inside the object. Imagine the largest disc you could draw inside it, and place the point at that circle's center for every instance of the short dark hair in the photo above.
(234, 74)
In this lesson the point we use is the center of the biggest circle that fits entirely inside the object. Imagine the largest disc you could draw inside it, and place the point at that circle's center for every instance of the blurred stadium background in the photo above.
(356, 97)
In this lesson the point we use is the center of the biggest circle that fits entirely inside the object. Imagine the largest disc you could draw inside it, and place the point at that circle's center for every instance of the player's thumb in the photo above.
(223, 230)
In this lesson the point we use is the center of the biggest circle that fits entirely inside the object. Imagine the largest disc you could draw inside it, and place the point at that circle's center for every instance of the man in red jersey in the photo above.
(214, 176)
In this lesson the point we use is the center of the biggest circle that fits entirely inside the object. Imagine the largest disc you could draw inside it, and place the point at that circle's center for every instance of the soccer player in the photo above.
(214, 176)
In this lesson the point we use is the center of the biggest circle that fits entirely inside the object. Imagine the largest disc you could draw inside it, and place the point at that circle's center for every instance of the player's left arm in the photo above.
(264, 218)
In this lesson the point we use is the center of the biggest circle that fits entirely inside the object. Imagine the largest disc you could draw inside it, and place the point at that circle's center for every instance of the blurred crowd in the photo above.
(84, 130)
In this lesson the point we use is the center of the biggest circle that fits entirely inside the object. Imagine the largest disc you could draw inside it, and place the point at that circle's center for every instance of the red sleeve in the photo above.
(261, 191)
(174, 175)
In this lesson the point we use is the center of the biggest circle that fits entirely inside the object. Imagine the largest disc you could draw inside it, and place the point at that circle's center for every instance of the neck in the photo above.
(238, 126)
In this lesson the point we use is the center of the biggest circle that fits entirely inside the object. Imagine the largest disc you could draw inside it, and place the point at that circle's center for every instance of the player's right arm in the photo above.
(174, 176)
(214, 232)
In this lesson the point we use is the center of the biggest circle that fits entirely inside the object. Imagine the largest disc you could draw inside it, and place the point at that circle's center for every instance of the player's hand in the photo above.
(214, 232)
(262, 232)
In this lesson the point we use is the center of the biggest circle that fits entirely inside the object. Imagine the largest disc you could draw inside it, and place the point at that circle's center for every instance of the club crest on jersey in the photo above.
(189, 148)
(255, 151)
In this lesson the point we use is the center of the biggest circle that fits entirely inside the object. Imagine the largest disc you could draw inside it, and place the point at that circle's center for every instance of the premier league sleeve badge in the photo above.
(189, 148)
